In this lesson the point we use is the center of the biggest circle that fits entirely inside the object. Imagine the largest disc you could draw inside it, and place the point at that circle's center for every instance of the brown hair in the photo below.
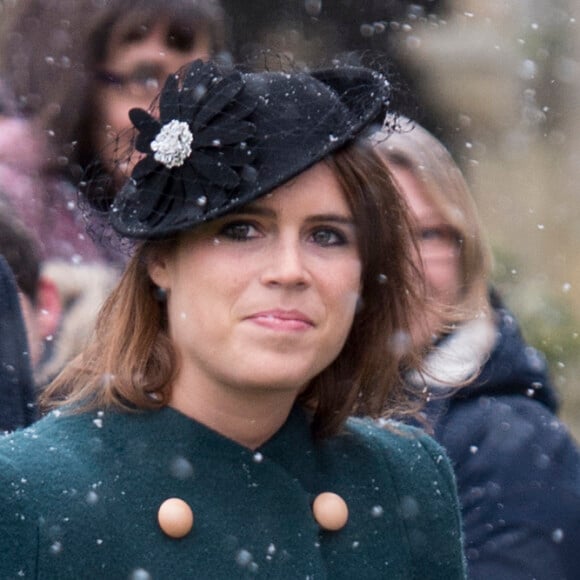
(131, 362)
(51, 50)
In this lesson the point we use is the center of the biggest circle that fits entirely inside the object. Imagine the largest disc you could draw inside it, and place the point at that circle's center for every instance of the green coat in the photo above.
(79, 496)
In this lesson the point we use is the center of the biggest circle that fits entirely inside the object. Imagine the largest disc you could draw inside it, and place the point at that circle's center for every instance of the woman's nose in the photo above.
(286, 265)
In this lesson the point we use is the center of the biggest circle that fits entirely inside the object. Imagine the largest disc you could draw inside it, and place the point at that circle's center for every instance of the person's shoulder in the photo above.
(26, 436)
(43, 468)
(415, 470)
(406, 452)
(510, 440)
(508, 424)
(392, 436)
(58, 435)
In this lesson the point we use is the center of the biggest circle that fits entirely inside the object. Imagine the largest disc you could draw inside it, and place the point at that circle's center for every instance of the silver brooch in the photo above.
(172, 145)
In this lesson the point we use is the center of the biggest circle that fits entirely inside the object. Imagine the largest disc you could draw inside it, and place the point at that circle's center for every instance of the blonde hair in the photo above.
(414, 149)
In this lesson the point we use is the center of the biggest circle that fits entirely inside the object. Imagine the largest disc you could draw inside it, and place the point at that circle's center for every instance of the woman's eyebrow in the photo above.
(258, 210)
(339, 218)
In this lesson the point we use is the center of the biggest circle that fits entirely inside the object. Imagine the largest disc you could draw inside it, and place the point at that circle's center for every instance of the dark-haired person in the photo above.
(76, 67)
(517, 466)
(35, 212)
(205, 431)
(29, 313)
(39, 296)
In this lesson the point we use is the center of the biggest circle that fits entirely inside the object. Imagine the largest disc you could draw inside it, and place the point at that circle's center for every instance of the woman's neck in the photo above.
(248, 417)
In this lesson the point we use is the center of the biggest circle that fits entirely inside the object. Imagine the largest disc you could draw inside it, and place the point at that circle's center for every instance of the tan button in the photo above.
(330, 511)
(175, 517)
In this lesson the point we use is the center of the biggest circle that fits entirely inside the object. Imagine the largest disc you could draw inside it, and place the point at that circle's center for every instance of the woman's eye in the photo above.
(239, 231)
(329, 237)
(440, 236)
(430, 234)
(438, 233)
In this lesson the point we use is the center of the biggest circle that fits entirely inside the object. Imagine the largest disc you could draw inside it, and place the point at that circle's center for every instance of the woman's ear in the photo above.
(48, 307)
(157, 268)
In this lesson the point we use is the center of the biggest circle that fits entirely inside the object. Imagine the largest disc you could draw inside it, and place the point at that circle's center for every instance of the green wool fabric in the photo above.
(79, 496)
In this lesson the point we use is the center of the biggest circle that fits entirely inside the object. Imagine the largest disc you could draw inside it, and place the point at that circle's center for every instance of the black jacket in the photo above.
(17, 398)
(517, 467)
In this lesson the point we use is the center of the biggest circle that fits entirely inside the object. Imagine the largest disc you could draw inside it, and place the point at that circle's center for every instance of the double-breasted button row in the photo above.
(176, 518)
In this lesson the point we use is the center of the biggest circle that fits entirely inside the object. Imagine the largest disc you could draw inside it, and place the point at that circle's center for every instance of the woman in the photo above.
(517, 468)
(76, 68)
(250, 322)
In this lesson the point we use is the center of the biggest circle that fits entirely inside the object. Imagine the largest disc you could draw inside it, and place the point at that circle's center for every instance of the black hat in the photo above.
(225, 138)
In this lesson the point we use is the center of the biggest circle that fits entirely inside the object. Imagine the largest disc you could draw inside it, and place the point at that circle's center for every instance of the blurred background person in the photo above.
(30, 312)
(44, 232)
(40, 301)
(58, 317)
(517, 467)
(41, 202)
(76, 67)
(39, 296)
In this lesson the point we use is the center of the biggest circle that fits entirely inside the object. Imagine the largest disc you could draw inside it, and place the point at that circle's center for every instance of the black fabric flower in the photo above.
(201, 143)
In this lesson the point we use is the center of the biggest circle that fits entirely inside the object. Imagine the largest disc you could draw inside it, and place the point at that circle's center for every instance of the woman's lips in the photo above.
(285, 320)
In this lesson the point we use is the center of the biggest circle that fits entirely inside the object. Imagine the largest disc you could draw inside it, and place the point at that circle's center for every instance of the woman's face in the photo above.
(439, 249)
(265, 297)
(132, 76)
